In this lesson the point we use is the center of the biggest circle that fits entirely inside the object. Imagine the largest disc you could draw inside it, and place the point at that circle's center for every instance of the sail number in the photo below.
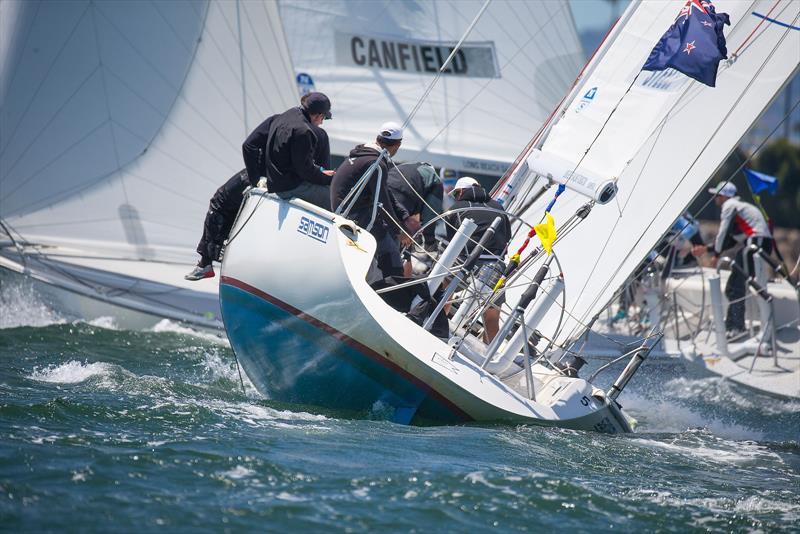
(313, 229)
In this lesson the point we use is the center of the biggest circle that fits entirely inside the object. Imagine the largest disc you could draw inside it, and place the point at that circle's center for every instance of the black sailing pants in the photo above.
(222, 210)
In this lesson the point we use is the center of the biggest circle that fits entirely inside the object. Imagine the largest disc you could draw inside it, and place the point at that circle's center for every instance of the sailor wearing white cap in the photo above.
(384, 228)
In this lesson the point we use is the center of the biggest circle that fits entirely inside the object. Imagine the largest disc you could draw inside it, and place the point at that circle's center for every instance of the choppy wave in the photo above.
(72, 372)
(21, 305)
(165, 325)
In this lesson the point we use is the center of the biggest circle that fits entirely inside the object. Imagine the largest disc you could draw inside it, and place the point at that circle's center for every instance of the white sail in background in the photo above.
(665, 140)
(120, 118)
(374, 59)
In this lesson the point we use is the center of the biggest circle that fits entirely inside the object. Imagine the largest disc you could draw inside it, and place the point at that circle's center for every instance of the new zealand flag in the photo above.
(694, 44)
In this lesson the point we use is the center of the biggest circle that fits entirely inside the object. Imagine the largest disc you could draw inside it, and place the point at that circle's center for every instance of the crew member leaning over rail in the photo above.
(384, 229)
(225, 203)
(290, 148)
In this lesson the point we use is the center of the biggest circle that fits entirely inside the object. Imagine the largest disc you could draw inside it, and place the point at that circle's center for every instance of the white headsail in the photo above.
(376, 58)
(121, 118)
(660, 142)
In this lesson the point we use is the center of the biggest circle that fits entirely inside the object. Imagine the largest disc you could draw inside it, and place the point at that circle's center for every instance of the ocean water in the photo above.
(104, 429)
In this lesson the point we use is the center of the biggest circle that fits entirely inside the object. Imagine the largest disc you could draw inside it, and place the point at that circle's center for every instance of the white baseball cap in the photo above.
(723, 189)
(391, 130)
(465, 182)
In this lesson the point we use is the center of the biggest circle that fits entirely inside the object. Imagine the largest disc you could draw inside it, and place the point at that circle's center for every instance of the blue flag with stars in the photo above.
(694, 44)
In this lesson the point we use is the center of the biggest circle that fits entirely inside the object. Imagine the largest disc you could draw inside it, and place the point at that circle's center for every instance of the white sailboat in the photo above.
(632, 150)
(121, 118)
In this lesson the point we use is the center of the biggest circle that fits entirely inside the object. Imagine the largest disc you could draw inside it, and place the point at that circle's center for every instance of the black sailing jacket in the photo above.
(290, 148)
(346, 177)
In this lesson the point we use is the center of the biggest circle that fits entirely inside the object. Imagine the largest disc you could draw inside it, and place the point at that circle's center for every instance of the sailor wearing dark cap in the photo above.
(384, 228)
(224, 205)
(290, 148)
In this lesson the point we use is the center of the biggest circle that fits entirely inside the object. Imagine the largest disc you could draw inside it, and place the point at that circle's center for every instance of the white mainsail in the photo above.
(376, 58)
(121, 118)
(663, 142)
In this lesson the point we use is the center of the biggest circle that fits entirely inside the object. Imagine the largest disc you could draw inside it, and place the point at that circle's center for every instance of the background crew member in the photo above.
(420, 186)
(740, 222)
(469, 194)
(384, 228)
(290, 149)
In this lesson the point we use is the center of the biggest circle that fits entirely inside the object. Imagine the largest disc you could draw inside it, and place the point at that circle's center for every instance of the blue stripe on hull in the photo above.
(292, 360)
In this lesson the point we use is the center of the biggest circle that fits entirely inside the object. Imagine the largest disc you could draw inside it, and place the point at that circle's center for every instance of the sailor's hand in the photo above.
(262, 182)
(330, 172)
(405, 241)
(698, 250)
(714, 260)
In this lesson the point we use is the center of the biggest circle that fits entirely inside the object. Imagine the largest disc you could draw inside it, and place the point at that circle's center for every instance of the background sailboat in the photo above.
(120, 119)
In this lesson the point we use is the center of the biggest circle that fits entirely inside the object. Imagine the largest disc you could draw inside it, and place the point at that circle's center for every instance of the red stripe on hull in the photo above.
(344, 338)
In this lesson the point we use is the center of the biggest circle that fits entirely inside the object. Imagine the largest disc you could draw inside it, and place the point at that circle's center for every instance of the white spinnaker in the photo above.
(663, 143)
(536, 56)
(120, 119)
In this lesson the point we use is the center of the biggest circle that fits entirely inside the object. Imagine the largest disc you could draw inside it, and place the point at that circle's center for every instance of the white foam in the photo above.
(21, 305)
(238, 472)
(71, 372)
(668, 416)
(721, 451)
(165, 325)
(108, 323)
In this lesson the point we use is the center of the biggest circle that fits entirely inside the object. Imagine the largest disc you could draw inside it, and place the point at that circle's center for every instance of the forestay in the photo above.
(120, 119)
(666, 138)
(376, 58)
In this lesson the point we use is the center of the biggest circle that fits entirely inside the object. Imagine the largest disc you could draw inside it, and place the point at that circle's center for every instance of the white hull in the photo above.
(306, 325)
(694, 340)
(135, 294)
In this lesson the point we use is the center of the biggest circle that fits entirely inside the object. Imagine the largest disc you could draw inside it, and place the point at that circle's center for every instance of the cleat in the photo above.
(199, 273)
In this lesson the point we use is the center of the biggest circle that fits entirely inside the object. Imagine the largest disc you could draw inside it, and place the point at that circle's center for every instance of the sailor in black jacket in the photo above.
(483, 209)
(254, 148)
(418, 188)
(290, 148)
(384, 228)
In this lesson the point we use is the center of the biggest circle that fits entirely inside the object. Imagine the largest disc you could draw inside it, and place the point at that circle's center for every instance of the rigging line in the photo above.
(522, 72)
(554, 91)
(736, 53)
(54, 159)
(444, 65)
(250, 98)
(106, 100)
(241, 67)
(275, 81)
(566, 68)
(702, 151)
(45, 77)
(44, 129)
(227, 23)
(743, 164)
(485, 85)
(744, 48)
(182, 85)
(674, 105)
(280, 44)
